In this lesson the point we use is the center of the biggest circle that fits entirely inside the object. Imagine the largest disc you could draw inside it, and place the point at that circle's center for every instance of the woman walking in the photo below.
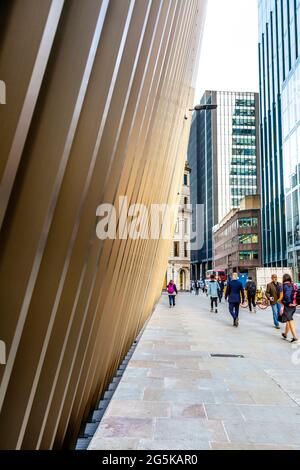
(172, 291)
(288, 299)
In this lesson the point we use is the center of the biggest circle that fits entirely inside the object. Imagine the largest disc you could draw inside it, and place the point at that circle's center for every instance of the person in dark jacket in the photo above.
(288, 299)
(273, 293)
(234, 294)
(172, 292)
(251, 293)
(221, 290)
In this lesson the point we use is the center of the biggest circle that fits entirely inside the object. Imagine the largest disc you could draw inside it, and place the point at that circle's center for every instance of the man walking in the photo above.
(251, 293)
(197, 287)
(273, 293)
(221, 290)
(234, 293)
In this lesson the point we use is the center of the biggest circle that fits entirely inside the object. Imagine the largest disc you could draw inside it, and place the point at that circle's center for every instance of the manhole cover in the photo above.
(227, 355)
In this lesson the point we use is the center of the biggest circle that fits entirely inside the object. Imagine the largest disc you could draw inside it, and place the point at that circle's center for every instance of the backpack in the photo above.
(171, 289)
(290, 294)
(252, 287)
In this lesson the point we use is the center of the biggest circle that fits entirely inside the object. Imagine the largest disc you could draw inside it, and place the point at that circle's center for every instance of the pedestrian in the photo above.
(203, 285)
(273, 293)
(221, 290)
(234, 293)
(288, 297)
(213, 291)
(172, 292)
(197, 287)
(251, 293)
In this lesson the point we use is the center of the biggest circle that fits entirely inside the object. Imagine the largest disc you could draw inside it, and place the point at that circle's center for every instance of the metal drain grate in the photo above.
(227, 355)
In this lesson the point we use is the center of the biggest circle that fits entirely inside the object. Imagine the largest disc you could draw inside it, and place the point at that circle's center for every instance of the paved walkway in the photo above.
(175, 395)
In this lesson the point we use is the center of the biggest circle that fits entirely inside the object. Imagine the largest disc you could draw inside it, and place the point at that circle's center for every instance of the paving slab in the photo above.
(268, 433)
(247, 446)
(223, 413)
(188, 410)
(190, 428)
(175, 444)
(124, 427)
(110, 443)
(139, 409)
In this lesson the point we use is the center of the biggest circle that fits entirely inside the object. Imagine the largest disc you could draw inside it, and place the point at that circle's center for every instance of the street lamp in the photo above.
(204, 107)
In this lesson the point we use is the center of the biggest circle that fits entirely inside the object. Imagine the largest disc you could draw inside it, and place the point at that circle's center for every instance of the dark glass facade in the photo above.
(223, 155)
(201, 163)
(279, 43)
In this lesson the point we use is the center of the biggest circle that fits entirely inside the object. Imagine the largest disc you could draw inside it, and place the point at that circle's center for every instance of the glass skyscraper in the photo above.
(291, 164)
(279, 46)
(224, 158)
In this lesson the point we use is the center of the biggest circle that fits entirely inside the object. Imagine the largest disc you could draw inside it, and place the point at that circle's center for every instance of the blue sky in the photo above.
(229, 54)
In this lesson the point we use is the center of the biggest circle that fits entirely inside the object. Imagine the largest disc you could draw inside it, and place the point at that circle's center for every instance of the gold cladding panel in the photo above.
(97, 92)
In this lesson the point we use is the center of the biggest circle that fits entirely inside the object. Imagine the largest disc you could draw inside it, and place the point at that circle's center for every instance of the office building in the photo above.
(237, 239)
(179, 264)
(224, 158)
(291, 165)
(279, 45)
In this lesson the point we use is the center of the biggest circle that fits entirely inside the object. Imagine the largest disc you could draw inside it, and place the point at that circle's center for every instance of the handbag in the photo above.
(282, 315)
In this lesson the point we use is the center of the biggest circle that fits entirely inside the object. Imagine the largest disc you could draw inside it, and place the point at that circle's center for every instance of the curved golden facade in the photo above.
(96, 93)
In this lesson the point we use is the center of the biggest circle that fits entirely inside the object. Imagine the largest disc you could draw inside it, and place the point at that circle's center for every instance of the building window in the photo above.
(186, 226)
(176, 249)
(248, 222)
(245, 102)
(244, 131)
(248, 255)
(250, 121)
(185, 180)
(246, 239)
(247, 140)
(186, 201)
(245, 112)
(244, 151)
(186, 250)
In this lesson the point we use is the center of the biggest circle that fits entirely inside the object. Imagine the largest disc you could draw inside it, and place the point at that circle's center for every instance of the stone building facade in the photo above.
(179, 265)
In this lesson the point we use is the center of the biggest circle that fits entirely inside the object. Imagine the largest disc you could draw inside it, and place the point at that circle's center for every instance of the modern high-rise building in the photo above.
(224, 158)
(279, 45)
(291, 164)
